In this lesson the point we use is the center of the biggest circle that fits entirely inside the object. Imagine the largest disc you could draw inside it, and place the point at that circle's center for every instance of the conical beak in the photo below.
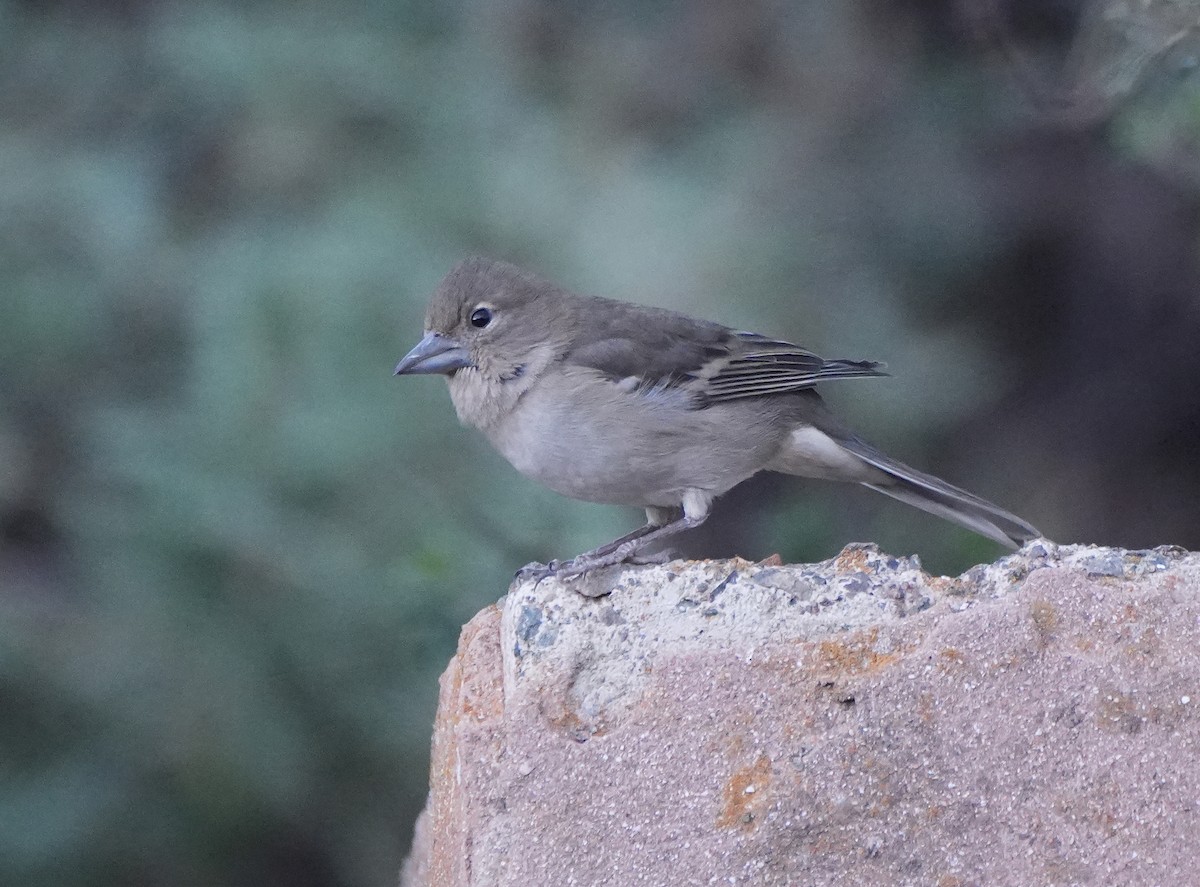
(434, 354)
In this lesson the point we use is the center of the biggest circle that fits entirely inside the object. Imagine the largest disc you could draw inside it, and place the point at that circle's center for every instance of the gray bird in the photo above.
(611, 402)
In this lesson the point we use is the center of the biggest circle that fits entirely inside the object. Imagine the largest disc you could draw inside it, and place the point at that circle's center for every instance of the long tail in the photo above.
(945, 500)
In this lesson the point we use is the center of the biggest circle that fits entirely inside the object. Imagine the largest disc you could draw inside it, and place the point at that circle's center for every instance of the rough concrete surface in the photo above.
(1033, 722)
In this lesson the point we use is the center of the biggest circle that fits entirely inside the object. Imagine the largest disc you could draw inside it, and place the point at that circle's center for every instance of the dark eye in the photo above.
(481, 317)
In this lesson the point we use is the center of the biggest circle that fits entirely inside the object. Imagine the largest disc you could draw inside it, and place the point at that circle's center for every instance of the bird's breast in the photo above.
(589, 438)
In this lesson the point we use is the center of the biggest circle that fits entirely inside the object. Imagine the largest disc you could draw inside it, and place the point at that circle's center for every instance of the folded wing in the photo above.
(657, 349)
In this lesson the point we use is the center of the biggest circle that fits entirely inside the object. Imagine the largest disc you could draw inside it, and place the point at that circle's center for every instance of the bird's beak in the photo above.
(434, 354)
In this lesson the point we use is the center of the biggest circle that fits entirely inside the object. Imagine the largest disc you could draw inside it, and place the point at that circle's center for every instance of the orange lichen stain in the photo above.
(1118, 712)
(851, 560)
(925, 708)
(1106, 820)
(745, 793)
(1145, 644)
(1129, 613)
(945, 584)
(473, 684)
(444, 758)
(479, 703)
(855, 654)
(470, 690)
(1045, 619)
(950, 654)
(774, 560)
(561, 714)
(950, 881)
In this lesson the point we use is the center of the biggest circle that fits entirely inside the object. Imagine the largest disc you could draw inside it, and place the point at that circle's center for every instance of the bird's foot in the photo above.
(576, 566)
(537, 572)
(586, 563)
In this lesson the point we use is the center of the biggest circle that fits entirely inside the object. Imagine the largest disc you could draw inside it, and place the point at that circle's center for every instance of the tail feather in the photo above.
(931, 494)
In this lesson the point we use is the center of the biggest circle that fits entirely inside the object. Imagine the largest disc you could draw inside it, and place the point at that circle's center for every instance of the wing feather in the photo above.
(665, 350)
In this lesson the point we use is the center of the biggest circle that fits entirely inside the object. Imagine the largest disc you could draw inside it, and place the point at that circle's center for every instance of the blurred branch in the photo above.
(1116, 44)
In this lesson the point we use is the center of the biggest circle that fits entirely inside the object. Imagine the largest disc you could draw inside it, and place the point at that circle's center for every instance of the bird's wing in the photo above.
(756, 365)
(659, 349)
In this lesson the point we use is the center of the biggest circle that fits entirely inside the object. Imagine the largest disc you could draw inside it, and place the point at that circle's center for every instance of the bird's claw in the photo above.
(536, 572)
(559, 569)
(577, 566)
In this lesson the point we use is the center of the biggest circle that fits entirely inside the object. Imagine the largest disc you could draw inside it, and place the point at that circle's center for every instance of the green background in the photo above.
(235, 553)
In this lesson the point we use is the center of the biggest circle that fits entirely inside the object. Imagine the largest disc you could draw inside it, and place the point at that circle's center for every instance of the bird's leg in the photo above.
(609, 555)
(662, 523)
(655, 519)
(617, 543)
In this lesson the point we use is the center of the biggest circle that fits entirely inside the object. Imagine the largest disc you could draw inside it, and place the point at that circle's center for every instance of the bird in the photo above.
(611, 402)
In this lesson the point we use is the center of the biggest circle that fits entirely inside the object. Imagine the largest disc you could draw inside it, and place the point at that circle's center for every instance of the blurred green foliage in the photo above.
(236, 553)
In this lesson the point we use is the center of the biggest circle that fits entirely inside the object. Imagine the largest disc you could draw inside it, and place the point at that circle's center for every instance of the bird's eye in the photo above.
(481, 317)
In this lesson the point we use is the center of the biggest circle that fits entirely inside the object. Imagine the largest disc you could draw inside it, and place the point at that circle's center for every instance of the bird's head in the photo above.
(489, 316)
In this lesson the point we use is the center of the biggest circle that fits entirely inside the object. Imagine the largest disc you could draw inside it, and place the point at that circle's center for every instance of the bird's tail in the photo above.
(945, 500)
